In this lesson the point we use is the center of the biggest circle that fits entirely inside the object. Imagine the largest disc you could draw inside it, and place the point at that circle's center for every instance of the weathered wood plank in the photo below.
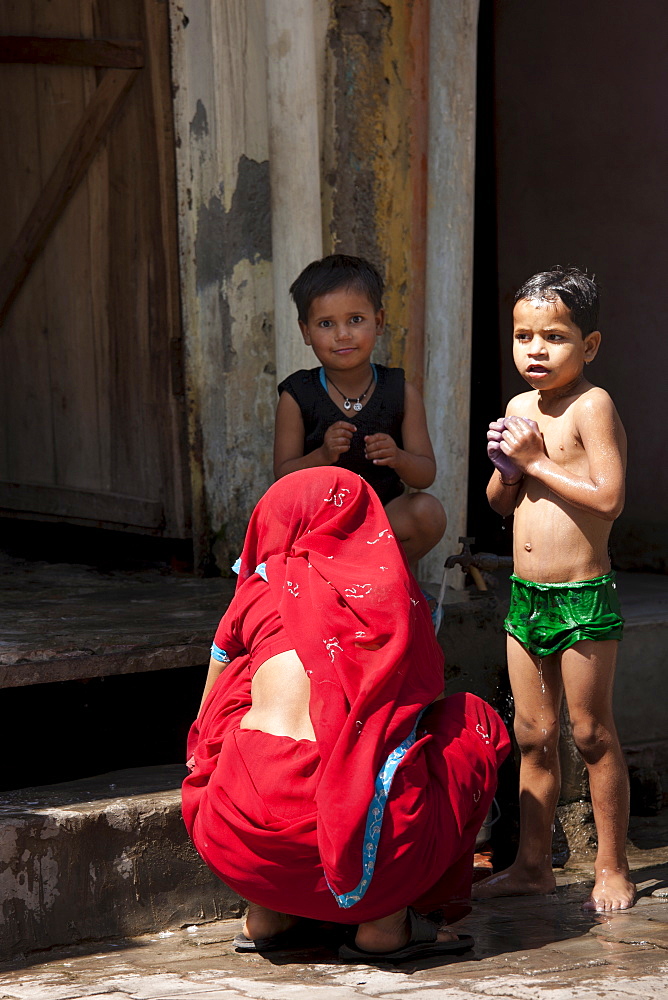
(88, 505)
(67, 269)
(87, 398)
(25, 382)
(60, 187)
(109, 53)
(167, 321)
(26, 436)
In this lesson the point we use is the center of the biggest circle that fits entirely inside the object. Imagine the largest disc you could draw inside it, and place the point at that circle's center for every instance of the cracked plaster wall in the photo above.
(219, 78)
(371, 66)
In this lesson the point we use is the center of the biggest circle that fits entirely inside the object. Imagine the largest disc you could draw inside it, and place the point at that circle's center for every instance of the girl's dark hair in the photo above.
(578, 292)
(338, 270)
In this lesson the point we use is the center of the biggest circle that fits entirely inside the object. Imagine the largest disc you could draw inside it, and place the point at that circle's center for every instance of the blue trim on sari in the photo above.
(374, 820)
(219, 654)
(260, 569)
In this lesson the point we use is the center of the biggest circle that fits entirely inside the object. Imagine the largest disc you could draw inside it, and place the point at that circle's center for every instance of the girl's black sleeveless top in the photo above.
(383, 414)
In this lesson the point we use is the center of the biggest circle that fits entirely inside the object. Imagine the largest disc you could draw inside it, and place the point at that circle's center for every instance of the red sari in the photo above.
(383, 808)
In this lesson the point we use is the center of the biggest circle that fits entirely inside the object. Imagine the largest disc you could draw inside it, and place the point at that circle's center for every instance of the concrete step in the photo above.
(99, 858)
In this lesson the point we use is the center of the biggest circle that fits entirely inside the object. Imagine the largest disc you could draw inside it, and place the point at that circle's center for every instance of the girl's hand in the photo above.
(337, 440)
(522, 442)
(381, 449)
(510, 473)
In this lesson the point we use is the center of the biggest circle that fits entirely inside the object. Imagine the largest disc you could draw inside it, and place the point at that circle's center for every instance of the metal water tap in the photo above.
(465, 556)
(478, 564)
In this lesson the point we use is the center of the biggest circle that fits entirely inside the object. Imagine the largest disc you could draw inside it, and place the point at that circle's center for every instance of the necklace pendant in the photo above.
(357, 406)
(347, 404)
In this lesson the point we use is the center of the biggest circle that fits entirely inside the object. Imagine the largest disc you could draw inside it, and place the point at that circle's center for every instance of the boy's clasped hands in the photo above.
(512, 443)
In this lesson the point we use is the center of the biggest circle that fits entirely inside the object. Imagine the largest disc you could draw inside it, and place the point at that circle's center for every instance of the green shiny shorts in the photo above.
(549, 617)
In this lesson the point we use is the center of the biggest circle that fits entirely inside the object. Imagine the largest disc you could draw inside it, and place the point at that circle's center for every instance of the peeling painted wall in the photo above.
(372, 67)
(374, 156)
(220, 110)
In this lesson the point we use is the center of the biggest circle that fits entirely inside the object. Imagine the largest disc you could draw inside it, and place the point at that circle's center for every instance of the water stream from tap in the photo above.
(542, 707)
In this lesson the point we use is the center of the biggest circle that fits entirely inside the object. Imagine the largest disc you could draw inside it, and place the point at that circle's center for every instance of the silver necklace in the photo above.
(348, 400)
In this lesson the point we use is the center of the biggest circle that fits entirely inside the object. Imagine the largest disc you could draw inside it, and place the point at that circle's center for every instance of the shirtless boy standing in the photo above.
(559, 457)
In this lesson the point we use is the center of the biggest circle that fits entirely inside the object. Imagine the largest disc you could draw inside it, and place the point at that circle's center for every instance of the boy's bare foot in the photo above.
(612, 890)
(515, 881)
(391, 933)
(263, 923)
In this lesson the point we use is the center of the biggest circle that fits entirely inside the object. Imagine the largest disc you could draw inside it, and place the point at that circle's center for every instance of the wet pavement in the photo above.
(532, 948)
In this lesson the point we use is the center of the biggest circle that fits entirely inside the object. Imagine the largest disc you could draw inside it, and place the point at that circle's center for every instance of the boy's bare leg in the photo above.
(418, 521)
(588, 670)
(537, 690)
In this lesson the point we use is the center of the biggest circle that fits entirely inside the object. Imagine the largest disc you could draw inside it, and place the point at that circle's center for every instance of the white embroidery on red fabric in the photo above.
(383, 567)
(293, 588)
(336, 498)
(356, 587)
(331, 645)
(360, 635)
(414, 602)
(383, 535)
(482, 734)
(476, 797)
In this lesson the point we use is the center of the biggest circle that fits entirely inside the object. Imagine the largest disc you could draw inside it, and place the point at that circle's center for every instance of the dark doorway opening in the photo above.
(106, 550)
(491, 533)
(77, 729)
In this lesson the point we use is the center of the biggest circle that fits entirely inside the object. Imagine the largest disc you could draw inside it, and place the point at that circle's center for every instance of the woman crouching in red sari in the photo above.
(330, 777)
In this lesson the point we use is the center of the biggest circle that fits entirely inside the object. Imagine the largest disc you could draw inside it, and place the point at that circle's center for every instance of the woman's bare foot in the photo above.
(515, 881)
(391, 933)
(263, 923)
(613, 890)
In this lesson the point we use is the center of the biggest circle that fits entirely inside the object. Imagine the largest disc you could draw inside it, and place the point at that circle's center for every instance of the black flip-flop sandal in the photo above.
(422, 944)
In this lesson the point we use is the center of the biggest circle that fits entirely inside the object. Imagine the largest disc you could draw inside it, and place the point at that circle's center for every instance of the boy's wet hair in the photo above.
(574, 287)
(338, 270)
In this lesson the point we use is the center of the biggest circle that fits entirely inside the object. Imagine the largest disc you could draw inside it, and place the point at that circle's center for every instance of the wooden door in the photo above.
(91, 388)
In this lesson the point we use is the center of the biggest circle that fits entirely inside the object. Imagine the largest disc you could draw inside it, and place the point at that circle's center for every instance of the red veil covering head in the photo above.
(341, 585)
(360, 625)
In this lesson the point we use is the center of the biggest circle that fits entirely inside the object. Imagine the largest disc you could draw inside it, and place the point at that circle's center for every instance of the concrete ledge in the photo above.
(67, 622)
(103, 857)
